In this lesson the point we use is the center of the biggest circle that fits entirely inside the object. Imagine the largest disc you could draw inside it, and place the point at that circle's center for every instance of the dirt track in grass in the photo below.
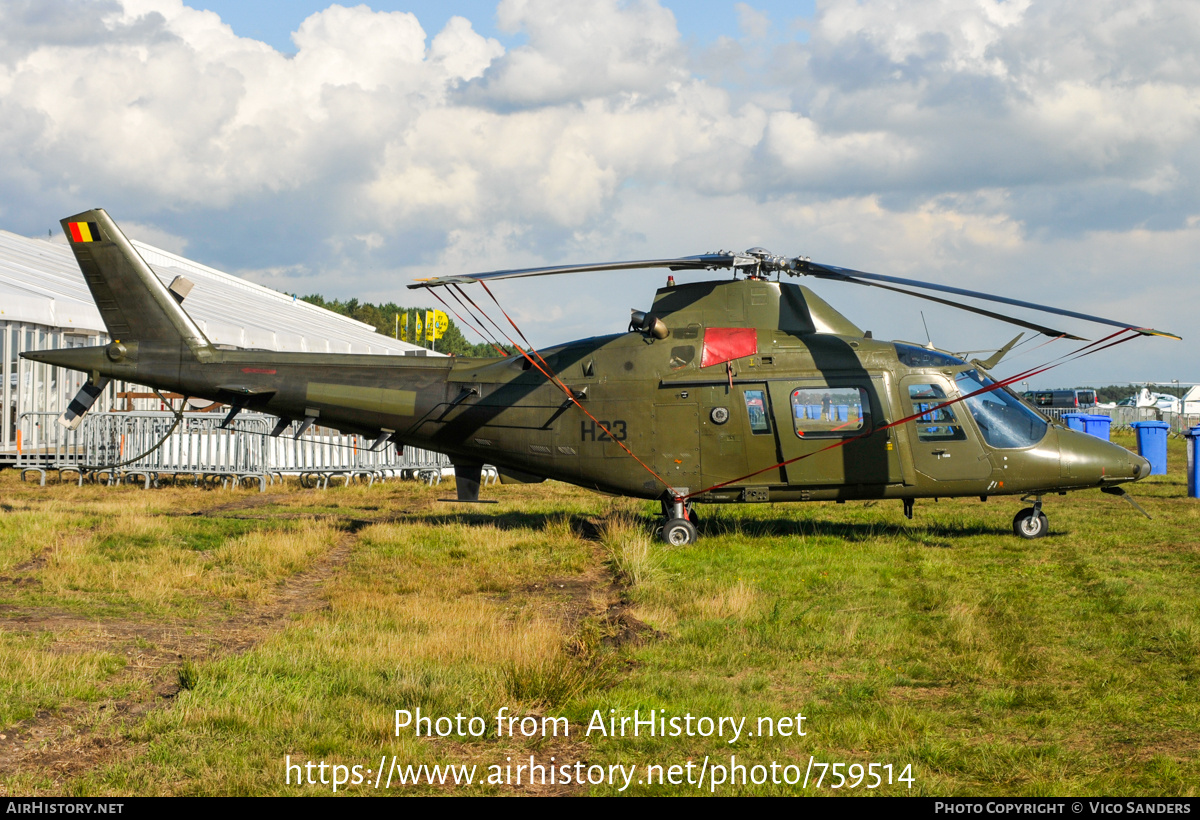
(74, 738)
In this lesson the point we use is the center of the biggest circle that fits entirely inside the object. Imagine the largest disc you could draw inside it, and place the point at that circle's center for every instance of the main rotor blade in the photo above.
(706, 261)
(1049, 331)
(846, 275)
(763, 262)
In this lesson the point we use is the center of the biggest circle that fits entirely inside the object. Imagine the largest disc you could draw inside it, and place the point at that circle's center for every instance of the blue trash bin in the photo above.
(1075, 421)
(1193, 436)
(1152, 444)
(1097, 426)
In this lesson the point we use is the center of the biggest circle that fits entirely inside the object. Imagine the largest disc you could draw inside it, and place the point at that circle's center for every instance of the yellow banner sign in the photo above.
(436, 323)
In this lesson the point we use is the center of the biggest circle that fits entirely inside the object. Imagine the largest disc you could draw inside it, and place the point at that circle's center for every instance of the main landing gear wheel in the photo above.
(1031, 523)
(679, 532)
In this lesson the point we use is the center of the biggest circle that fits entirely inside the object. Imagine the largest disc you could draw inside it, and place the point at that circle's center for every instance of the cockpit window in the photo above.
(1004, 421)
(936, 423)
(914, 356)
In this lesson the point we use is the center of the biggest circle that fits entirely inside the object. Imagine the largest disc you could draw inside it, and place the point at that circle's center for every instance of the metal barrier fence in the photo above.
(199, 449)
(1123, 417)
(43, 444)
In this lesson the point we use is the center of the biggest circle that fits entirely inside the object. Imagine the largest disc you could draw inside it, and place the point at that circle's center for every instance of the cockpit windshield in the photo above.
(1004, 421)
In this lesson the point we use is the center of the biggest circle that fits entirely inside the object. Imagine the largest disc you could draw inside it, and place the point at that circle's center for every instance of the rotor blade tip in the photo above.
(1149, 331)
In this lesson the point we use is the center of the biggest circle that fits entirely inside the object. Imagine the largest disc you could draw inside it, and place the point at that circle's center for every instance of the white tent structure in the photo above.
(45, 304)
(1191, 400)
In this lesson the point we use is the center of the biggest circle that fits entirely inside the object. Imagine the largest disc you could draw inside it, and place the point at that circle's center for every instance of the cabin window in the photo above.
(1004, 421)
(935, 423)
(821, 411)
(756, 409)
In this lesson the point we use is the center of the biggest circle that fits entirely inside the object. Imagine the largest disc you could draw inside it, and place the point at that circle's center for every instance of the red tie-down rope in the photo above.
(492, 342)
(546, 370)
(1072, 356)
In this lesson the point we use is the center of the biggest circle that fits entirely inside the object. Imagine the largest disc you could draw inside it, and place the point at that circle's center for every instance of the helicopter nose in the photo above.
(1097, 461)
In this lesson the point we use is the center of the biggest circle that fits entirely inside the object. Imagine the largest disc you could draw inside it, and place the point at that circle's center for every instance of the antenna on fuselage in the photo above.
(928, 338)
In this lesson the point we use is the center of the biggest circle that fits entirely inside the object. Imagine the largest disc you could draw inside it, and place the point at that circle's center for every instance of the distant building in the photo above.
(45, 304)
(1191, 400)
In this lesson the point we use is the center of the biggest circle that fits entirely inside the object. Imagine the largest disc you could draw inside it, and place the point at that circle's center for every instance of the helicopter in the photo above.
(743, 390)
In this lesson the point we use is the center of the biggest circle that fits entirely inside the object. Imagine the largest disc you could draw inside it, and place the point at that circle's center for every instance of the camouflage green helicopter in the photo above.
(738, 391)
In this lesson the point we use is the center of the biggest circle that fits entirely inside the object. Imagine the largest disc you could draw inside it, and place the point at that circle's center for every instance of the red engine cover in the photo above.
(723, 344)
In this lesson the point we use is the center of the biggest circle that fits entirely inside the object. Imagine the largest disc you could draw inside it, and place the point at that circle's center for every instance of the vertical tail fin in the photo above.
(133, 303)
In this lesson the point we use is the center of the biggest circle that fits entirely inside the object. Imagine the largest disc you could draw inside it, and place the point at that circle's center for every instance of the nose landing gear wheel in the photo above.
(691, 513)
(1031, 523)
(679, 532)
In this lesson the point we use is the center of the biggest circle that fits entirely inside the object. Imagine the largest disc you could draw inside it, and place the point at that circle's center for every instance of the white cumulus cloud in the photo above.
(990, 143)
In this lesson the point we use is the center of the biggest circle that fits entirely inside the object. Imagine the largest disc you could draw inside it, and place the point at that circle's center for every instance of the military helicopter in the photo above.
(746, 390)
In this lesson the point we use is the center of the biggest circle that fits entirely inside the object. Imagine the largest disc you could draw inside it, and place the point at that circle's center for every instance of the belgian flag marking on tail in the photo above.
(84, 231)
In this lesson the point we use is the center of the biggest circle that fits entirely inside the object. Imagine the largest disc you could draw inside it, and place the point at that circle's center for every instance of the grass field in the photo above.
(182, 641)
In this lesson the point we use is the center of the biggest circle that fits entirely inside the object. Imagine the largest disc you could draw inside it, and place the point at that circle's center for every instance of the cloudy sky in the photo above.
(1046, 151)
